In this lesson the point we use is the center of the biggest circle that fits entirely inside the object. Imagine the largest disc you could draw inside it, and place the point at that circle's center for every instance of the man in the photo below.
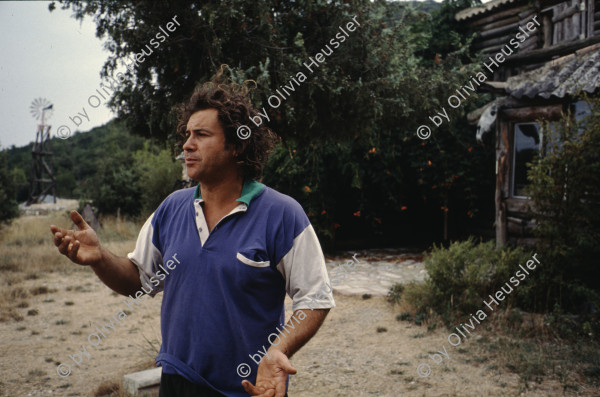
(224, 254)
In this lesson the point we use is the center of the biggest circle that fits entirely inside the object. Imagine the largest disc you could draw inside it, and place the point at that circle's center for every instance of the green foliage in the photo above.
(117, 190)
(8, 203)
(447, 35)
(21, 184)
(107, 166)
(461, 276)
(158, 173)
(135, 183)
(77, 160)
(565, 192)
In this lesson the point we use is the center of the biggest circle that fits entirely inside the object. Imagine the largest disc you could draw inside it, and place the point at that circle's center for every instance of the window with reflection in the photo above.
(527, 143)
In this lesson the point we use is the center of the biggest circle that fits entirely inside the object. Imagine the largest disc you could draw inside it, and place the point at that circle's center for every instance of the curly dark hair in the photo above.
(232, 102)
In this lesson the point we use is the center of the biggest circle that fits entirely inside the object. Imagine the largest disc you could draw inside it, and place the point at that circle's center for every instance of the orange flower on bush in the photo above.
(404, 208)
(336, 225)
(307, 189)
(372, 150)
(323, 212)
(470, 149)
(357, 213)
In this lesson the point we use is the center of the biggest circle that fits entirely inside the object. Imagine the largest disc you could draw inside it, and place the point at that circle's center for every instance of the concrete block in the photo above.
(143, 384)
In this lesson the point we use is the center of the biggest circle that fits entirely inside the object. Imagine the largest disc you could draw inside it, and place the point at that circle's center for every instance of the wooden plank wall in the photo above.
(573, 20)
(563, 21)
(595, 23)
(498, 28)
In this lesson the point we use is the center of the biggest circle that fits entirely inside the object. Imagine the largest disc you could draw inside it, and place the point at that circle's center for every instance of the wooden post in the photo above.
(547, 31)
(501, 173)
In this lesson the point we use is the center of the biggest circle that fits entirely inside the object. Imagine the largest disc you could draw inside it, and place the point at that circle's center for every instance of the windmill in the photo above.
(42, 175)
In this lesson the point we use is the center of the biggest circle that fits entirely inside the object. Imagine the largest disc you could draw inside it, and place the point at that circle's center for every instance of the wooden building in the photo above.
(550, 65)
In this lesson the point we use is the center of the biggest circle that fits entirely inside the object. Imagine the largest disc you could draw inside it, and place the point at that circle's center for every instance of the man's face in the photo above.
(206, 158)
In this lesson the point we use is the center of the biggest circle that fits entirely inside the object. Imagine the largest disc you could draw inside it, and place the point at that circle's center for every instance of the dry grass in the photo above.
(28, 257)
(525, 344)
(27, 252)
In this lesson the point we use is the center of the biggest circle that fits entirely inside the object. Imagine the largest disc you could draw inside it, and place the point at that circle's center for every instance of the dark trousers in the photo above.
(178, 386)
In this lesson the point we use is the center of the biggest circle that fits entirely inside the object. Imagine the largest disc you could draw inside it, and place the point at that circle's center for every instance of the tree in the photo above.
(268, 41)
(8, 204)
(352, 120)
(159, 173)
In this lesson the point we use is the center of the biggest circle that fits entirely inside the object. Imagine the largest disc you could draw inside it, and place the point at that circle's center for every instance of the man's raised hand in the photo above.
(80, 246)
(271, 375)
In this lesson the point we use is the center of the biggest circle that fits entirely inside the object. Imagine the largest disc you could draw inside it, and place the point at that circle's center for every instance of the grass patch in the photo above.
(534, 359)
(39, 290)
(109, 388)
(9, 268)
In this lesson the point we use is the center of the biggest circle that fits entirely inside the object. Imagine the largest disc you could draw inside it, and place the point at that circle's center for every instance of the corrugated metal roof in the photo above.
(470, 12)
(569, 75)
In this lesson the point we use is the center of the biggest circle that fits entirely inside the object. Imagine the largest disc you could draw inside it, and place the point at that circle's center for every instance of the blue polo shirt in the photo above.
(223, 290)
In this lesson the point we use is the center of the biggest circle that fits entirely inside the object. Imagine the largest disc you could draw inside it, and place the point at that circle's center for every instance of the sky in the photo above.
(51, 56)
(46, 55)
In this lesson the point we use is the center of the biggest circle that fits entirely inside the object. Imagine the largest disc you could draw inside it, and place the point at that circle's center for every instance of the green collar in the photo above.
(250, 189)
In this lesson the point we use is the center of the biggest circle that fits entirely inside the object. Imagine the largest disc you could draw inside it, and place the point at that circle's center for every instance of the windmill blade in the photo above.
(38, 106)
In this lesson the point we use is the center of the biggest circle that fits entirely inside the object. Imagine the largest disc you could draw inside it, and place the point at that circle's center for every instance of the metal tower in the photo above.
(42, 175)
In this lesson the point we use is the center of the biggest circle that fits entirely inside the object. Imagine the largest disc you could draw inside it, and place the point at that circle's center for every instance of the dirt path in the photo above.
(348, 356)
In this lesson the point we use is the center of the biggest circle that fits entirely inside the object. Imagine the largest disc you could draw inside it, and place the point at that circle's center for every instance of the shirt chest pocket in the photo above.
(252, 258)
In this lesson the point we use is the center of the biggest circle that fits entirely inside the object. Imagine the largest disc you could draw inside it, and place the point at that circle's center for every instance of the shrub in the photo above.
(461, 276)
(565, 191)
(8, 194)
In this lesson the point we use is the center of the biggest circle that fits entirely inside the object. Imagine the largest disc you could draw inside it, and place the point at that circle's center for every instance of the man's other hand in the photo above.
(80, 246)
(271, 376)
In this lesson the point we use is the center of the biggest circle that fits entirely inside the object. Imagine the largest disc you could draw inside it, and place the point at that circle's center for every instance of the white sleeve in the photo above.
(147, 257)
(305, 273)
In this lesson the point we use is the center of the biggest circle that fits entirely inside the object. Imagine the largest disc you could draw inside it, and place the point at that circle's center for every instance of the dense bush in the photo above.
(565, 191)
(8, 204)
(461, 276)
(158, 174)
